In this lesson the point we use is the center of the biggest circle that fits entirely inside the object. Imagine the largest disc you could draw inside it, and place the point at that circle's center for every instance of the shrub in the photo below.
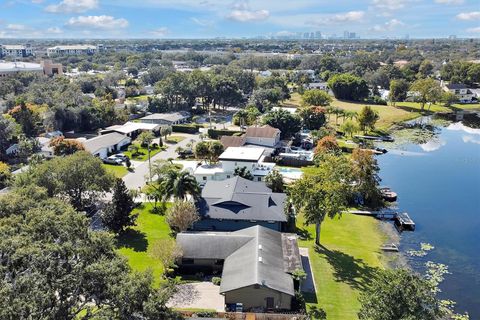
(206, 314)
(185, 128)
(216, 281)
(217, 134)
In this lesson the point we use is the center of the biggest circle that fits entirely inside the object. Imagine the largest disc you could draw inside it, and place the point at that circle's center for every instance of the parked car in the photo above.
(120, 156)
(113, 160)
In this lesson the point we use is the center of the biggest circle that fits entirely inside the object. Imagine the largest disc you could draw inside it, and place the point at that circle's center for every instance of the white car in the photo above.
(113, 160)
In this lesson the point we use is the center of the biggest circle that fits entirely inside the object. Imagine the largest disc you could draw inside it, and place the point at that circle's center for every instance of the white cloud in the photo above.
(160, 32)
(387, 26)
(450, 1)
(97, 22)
(242, 12)
(351, 16)
(247, 15)
(390, 5)
(16, 27)
(474, 30)
(202, 22)
(474, 15)
(72, 6)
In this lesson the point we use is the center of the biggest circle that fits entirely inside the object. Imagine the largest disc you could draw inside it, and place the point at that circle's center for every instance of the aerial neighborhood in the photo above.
(194, 178)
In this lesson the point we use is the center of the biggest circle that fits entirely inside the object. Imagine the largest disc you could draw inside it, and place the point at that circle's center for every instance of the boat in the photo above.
(404, 222)
(389, 247)
(388, 194)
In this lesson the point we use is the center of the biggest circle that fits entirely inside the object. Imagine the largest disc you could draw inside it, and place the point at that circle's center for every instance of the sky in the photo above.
(164, 19)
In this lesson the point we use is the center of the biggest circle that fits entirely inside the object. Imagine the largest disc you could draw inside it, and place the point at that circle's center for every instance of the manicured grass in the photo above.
(295, 101)
(117, 170)
(136, 242)
(142, 154)
(174, 139)
(344, 264)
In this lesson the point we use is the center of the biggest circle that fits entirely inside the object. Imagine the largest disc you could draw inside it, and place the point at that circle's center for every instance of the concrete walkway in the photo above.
(199, 295)
(137, 179)
(308, 285)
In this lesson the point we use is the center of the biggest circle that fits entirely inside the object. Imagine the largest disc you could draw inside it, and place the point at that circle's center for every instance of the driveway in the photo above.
(138, 178)
(198, 295)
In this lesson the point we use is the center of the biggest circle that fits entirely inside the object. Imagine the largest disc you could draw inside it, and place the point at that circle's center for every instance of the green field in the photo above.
(117, 170)
(345, 263)
(135, 243)
(389, 115)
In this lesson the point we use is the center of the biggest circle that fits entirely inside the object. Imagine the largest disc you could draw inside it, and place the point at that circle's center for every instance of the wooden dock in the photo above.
(402, 221)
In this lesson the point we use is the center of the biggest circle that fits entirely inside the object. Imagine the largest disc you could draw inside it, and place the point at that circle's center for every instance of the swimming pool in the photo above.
(290, 173)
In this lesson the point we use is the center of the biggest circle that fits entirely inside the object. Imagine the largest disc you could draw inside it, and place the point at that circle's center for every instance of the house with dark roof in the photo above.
(256, 264)
(238, 203)
(169, 118)
(463, 93)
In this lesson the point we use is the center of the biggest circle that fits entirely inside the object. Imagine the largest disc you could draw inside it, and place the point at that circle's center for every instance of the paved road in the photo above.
(137, 179)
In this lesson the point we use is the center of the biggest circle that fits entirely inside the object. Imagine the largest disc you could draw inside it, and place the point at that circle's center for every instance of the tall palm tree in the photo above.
(177, 184)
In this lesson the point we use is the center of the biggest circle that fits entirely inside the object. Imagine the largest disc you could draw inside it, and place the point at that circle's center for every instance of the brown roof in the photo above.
(232, 141)
(262, 132)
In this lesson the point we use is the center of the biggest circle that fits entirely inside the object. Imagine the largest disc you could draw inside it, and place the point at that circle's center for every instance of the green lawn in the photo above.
(142, 154)
(174, 139)
(345, 264)
(135, 243)
(117, 170)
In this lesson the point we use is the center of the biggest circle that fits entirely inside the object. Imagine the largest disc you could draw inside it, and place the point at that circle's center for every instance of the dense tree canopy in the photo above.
(348, 87)
(289, 124)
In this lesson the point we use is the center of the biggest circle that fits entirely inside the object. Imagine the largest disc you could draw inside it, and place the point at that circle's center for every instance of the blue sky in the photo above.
(218, 18)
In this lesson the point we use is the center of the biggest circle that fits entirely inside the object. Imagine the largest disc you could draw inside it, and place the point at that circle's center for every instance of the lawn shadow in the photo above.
(348, 269)
(303, 233)
(310, 297)
(425, 111)
(133, 239)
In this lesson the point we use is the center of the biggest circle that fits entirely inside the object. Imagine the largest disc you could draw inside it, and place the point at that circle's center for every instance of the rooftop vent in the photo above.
(259, 247)
(260, 259)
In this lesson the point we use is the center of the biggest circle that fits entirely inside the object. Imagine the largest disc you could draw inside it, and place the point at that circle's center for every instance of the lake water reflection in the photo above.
(438, 183)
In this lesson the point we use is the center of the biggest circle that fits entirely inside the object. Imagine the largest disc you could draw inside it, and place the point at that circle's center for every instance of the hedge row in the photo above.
(216, 134)
(185, 128)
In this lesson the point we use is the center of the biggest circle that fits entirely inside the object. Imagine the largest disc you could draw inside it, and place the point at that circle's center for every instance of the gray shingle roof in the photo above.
(171, 117)
(241, 199)
(253, 256)
(103, 141)
(259, 262)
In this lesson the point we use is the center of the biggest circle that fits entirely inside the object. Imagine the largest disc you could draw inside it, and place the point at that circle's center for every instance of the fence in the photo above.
(253, 316)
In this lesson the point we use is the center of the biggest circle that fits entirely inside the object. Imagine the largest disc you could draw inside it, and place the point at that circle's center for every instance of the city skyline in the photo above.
(215, 18)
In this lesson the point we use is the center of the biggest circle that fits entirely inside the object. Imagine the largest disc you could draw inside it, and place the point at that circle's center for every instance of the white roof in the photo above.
(242, 154)
(14, 47)
(208, 170)
(19, 66)
(134, 126)
(103, 141)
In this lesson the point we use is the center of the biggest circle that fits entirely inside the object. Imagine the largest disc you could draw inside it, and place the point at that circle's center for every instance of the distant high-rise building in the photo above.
(306, 35)
(346, 34)
(452, 37)
(352, 35)
(318, 35)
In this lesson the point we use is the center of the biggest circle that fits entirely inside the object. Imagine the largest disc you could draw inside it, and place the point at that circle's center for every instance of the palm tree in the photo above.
(176, 183)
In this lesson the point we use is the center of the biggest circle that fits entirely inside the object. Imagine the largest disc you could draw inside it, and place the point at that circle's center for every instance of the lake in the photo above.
(438, 184)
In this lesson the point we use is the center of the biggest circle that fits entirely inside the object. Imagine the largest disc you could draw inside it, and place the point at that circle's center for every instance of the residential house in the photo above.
(232, 141)
(256, 265)
(233, 157)
(166, 118)
(132, 129)
(238, 203)
(318, 85)
(105, 144)
(266, 136)
(45, 149)
(461, 91)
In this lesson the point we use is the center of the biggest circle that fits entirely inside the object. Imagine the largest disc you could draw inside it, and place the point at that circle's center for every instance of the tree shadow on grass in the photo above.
(303, 233)
(348, 269)
(133, 239)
